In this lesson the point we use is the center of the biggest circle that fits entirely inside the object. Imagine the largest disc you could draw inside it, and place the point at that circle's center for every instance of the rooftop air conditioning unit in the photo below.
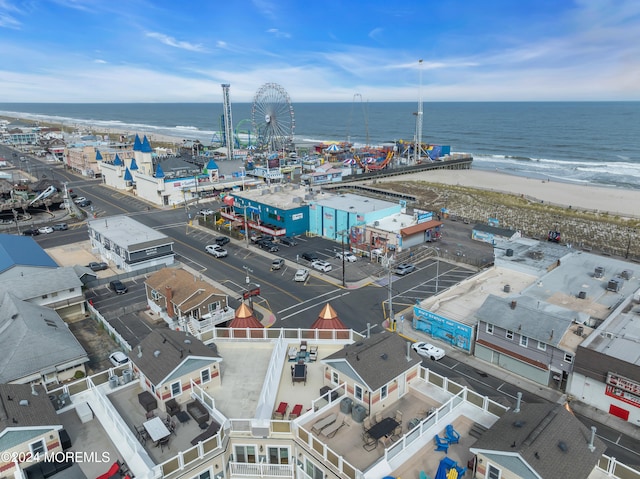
(599, 272)
(582, 295)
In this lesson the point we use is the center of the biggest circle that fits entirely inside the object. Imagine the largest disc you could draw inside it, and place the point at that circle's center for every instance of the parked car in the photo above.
(118, 358)
(216, 250)
(350, 257)
(30, 232)
(45, 230)
(321, 265)
(309, 256)
(95, 266)
(428, 350)
(301, 275)
(206, 212)
(288, 241)
(221, 240)
(118, 286)
(269, 246)
(84, 203)
(60, 227)
(404, 268)
(277, 264)
(79, 199)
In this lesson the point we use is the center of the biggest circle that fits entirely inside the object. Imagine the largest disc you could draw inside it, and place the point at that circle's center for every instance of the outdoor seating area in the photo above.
(304, 352)
(380, 432)
(163, 435)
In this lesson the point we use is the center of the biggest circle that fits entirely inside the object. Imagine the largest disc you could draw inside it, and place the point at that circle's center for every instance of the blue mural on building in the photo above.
(456, 334)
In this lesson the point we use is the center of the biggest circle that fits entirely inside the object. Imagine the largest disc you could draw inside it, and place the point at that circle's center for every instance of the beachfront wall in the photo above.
(448, 330)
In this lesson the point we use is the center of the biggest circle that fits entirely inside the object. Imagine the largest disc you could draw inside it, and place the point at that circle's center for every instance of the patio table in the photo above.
(156, 429)
(383, 428)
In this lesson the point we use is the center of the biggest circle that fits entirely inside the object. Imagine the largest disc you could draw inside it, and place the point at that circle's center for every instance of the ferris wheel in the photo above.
(272, 118)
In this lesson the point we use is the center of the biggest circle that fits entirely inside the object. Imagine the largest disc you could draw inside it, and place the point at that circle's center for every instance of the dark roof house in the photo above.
(374, 361)
(538, 440)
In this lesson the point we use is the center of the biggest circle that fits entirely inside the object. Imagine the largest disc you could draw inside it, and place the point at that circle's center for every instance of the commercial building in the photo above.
(130, 245)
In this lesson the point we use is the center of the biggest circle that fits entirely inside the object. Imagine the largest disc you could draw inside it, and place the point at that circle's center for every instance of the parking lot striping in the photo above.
(503, 392)
(314, 298)
(315, 305)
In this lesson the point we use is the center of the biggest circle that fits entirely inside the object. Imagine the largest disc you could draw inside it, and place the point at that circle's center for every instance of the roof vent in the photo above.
(563, 446)
(187, 341)
(156, 353)
(514, 304)
(384, 356)
(24, 402)
(518, 423)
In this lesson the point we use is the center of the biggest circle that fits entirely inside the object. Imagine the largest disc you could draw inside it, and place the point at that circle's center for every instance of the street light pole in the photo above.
(343, 280)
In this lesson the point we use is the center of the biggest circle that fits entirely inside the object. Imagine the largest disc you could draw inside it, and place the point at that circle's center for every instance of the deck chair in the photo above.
(441, 444)
(399, 417)
(164, 442)
(385, 441)
(397, 432)
(451, 435)
(366, 423)
(378, 417)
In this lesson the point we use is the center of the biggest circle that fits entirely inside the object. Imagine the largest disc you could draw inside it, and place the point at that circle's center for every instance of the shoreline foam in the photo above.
(613, 200)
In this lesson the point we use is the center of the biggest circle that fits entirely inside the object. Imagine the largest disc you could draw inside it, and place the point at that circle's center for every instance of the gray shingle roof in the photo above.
(34, 339)
(374, 361)
(38, 412)
(546, 437)
(164, 351)
(45, 282)
(530, 317)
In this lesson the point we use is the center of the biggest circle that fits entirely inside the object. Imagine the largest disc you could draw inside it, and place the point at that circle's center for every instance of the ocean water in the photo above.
(583, 142)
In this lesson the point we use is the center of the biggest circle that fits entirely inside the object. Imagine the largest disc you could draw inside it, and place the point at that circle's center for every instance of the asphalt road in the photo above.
(296, 304)
(623, 448)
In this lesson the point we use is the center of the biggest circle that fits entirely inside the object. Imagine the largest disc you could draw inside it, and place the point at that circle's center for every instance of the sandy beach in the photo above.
(615, 201)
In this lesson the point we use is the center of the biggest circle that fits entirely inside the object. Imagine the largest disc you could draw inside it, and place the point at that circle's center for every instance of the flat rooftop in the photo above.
(462, 301)
(125, 231)
(619, 336)
(278, 196)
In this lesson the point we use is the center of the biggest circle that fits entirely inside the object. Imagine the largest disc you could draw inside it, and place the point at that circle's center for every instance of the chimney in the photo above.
(167, 299)
(593, 436)
(518, 401)
(514, 304)
(408, 351)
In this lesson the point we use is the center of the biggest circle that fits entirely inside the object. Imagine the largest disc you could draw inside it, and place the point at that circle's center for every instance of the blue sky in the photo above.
(322, 51)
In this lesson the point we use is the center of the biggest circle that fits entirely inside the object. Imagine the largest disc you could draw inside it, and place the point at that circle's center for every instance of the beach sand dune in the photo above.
(615, 201)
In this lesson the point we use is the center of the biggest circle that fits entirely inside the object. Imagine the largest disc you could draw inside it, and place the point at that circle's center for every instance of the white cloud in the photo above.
(278, 34)
(172, 42)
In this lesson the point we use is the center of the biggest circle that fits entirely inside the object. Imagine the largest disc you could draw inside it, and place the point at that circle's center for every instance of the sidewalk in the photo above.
(547, 393)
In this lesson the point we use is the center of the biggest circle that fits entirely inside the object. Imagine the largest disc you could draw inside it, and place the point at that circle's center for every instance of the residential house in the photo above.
(21, 256)
(57, 288)
(374, 370)
(36, 344)
(170, 362)
(29, 427)
(534, 339)
(185, 301)
(537, 440)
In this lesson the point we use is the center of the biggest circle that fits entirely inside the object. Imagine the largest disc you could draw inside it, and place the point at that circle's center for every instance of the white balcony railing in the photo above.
(260, 470)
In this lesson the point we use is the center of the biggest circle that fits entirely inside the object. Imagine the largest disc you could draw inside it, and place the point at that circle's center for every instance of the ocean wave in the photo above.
(192, 128)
